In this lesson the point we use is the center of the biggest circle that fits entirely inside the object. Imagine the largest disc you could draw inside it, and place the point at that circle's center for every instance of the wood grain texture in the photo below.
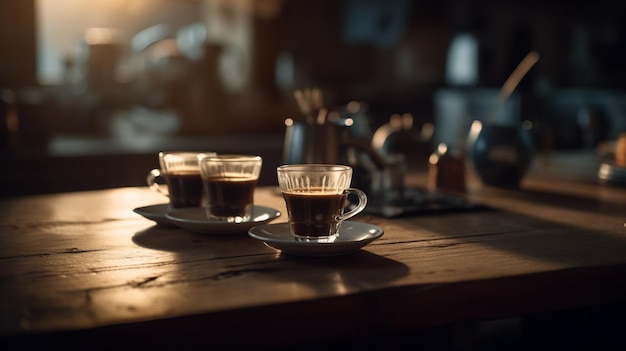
(84, 263)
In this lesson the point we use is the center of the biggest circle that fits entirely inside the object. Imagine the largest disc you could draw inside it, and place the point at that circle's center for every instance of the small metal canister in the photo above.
(446, 170)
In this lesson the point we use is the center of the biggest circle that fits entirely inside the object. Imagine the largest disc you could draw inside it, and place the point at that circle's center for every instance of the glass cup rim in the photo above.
(313, 167)
(187, 154)
(229, 158)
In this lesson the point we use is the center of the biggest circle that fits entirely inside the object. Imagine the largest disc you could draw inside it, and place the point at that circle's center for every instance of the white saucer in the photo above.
(155, 213)
(195, 220)
(352, 237)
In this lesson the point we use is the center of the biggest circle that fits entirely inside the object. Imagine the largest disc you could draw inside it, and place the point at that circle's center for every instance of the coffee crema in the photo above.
(185, 189)
(229, 197)
(314, 212)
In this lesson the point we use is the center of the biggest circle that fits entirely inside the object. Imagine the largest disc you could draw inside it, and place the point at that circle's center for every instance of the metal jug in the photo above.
(501, 154)
(329, 142)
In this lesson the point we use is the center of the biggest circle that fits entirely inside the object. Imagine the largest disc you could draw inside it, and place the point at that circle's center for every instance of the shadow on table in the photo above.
(358, 271)
(177, 240)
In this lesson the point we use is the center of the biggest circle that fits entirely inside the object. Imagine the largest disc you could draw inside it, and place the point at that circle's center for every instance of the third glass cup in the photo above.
(316, 196)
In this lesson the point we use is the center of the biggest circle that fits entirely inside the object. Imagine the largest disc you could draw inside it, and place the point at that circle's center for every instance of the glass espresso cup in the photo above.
(316, 197)
(181, 173)
(229, 183)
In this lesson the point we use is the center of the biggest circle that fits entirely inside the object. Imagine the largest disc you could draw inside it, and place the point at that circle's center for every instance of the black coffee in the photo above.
(314, 213)
(185, 189)
(229, 197)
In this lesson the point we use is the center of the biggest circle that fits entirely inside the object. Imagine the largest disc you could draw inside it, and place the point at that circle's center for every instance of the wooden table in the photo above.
(82, 270)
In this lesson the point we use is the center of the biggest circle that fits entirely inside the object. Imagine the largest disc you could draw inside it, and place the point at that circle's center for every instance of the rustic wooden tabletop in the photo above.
(84, 264)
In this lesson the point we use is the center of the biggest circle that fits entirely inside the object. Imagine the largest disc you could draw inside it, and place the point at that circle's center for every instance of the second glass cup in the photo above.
(229, 184)
(316, 196)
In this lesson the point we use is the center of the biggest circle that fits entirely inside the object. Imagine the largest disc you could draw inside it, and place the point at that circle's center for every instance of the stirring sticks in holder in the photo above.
(311, 104)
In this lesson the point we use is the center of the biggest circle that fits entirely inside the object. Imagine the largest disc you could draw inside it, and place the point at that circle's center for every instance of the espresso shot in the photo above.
(185, 189)
(316, 197)
(314, 213)
(179, 178)
(229, 184)
(229, 197)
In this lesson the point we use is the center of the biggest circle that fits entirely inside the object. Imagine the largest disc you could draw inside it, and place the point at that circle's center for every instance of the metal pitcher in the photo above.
(380, 176)
(329, 142)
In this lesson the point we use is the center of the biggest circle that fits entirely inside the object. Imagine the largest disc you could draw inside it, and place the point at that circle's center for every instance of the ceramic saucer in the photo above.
(195, 220)
(155, 213)
(352, 237)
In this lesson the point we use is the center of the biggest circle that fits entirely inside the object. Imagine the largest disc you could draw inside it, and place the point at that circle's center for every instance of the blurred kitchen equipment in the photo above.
(389, 196)
(323, 143)
(455, 109)
(611, 174)
(311, 104)
(399, 135)
(379, 176)
(100, 57)
(320, 139)
(324, 137)
(613, 170)
(358, 111)
(191, 40)
(384, 185)
(501, 154)
(446, 170)
(378, 172)
(513, 81)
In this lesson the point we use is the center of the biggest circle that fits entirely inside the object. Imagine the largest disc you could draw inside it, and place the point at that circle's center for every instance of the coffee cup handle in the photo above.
(151, 179)
(359, 207)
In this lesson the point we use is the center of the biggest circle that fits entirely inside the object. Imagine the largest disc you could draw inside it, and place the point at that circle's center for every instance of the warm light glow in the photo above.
(407, 121)
(340, 285)
(433, 159)
(395, 121)
(262, 217)
(442, 148)
(428, 129)
(476, 126)
(353, 107)
(99, 36)
(62, 26)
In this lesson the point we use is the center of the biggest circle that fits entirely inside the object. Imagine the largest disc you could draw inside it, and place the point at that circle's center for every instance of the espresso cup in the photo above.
(316, 197)
(181, 173)
(229, 183)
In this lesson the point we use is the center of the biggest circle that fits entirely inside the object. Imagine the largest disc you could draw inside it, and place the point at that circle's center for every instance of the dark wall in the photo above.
(17, 44)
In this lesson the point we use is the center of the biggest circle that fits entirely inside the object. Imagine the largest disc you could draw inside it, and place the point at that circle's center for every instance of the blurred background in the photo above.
(91, 90)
